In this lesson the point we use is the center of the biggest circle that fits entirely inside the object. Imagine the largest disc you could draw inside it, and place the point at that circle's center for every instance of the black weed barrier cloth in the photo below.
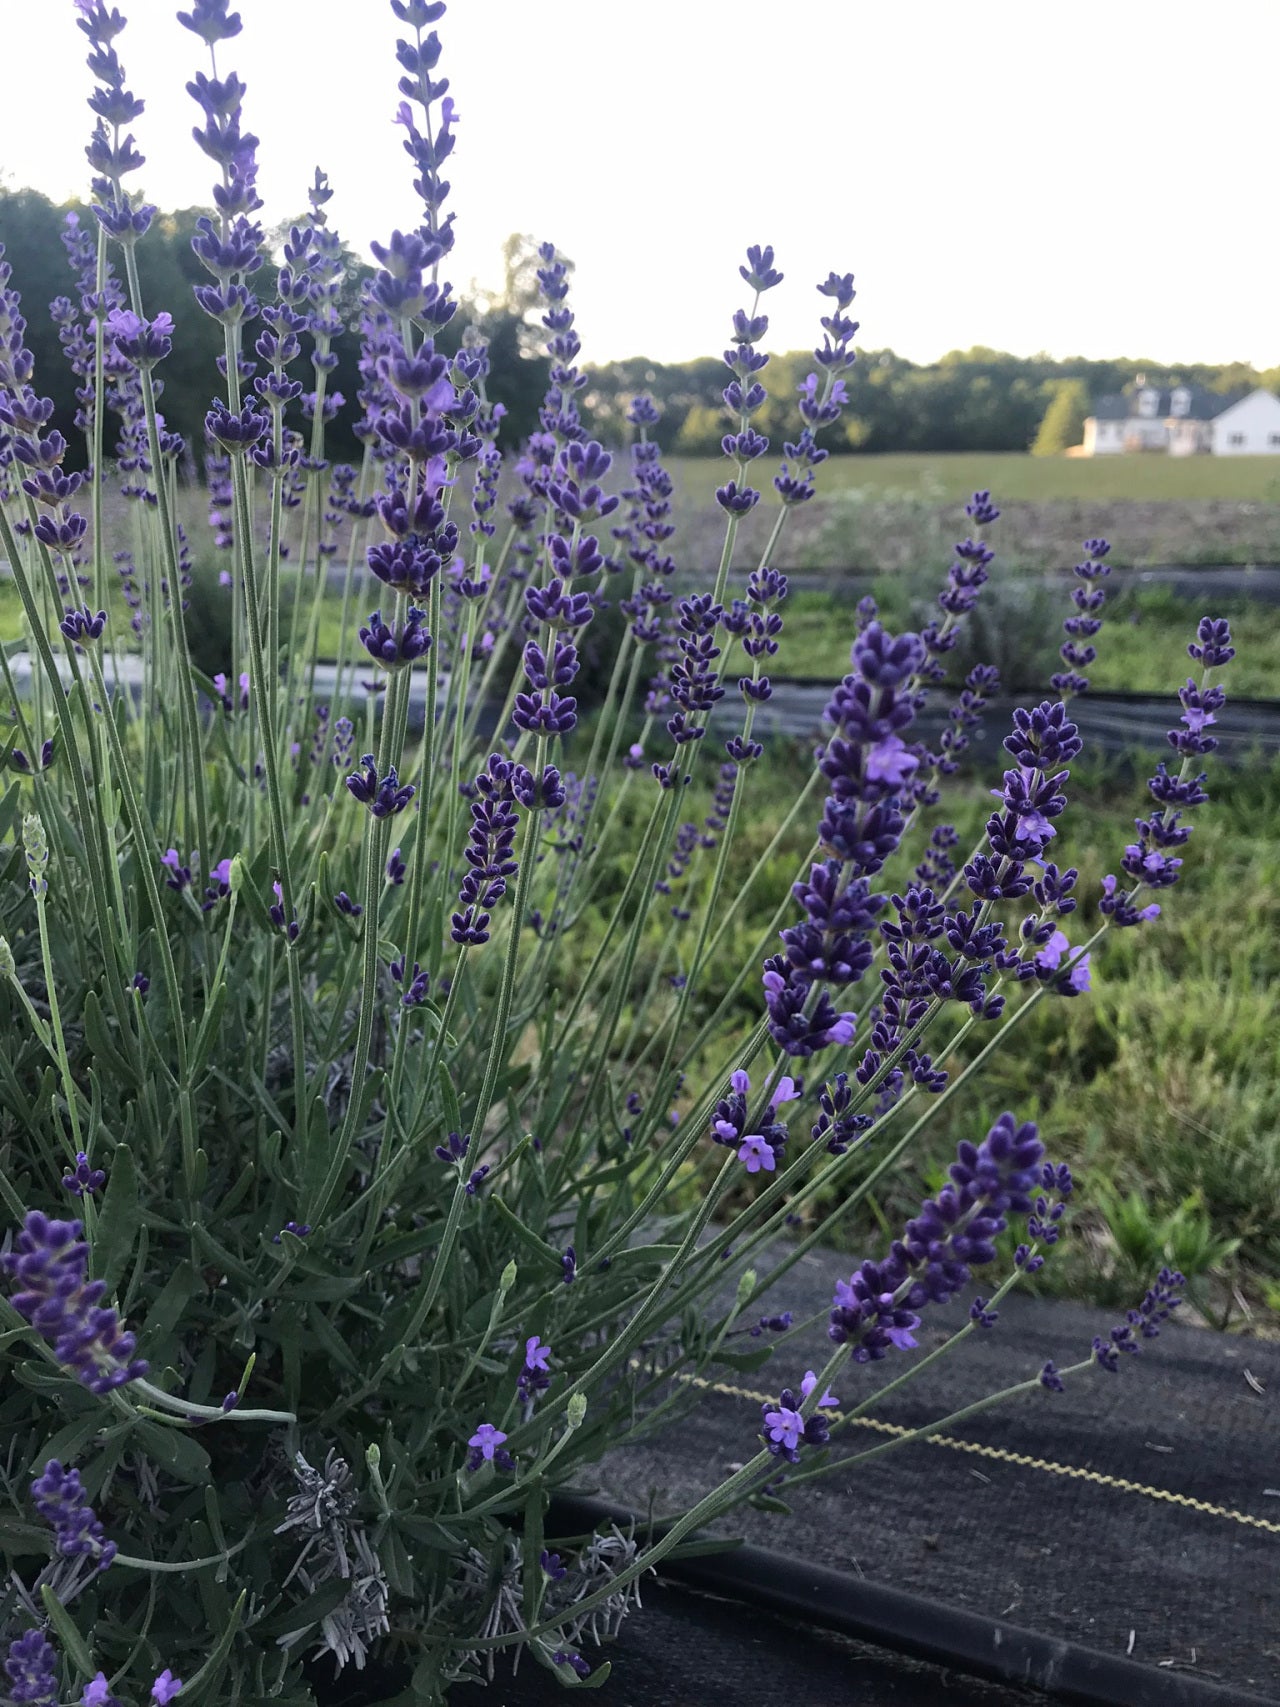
(1116, 1543)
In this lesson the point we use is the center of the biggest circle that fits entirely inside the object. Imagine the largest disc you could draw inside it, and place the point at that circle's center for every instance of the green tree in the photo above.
(1063, 423)
(701, 431)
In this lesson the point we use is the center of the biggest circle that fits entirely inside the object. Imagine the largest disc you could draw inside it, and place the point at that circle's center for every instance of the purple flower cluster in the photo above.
(84, 1177)
(431, 145)
(839, 1125)
(60, 1500)
(83, 624)
(565, 471)
(217, 473)
(1144, 1323)
(648, 526)
(821, 398)
(1042, 739)
(298, 1229)
(415, 983)
(744, 395)
(230, 247)
(26, 440)
(487, 1447)
(394, 647)
(877, 1308)
(963, 719)
(757, 623)
(420, 539)
(562, 613)
(786, 1430)
(693, 679)
(78, 343)
(968, 572)
(180, 877)
(757, 1151)
(384, 796)
(1149, 862)
(50, 1264)
(535, 1376)
(965, 578)
(1077, 651)
(490, 853)
(867, 764)
(32, 1669)
(112, 156)
(561, 423)
(142, 343)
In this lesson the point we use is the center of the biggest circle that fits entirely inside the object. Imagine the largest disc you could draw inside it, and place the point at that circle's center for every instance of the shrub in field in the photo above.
(346, 1120)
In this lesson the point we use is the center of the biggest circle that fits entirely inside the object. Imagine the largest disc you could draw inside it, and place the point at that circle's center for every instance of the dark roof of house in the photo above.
(1202, 405)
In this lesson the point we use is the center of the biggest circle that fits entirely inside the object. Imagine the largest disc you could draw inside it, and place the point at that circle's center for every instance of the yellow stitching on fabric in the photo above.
(1002, 1455)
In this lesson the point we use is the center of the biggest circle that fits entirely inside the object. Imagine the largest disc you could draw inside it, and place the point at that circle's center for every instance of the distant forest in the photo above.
(972, 400)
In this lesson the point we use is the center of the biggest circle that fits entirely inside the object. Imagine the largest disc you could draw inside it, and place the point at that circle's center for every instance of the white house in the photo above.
(1177, 420)
(1250, 427)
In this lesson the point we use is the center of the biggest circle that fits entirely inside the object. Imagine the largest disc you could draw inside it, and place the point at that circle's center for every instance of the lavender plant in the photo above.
(409, 1119)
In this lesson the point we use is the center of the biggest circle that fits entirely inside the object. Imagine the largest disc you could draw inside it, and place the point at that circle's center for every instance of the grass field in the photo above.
(1161, 1086)
(1142, 647)
(950, 479)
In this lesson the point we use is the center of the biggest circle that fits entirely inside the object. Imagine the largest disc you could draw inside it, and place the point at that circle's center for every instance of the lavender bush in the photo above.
(365, 1175)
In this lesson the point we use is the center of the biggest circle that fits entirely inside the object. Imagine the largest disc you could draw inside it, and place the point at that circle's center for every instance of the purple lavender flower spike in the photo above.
(1162, 1299)
(877, 1308)
(1148, 863)
(50, 1264)
(490, 849)
(1077, 651)
(32, 1670)
(60, 1500)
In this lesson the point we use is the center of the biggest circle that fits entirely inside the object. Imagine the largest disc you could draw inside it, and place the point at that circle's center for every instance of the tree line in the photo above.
(979, 399)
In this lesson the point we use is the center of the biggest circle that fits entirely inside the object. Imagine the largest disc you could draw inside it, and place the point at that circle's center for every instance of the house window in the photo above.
(1147, 401)
(1238, 438)
(1274, 441)
(1182, 401)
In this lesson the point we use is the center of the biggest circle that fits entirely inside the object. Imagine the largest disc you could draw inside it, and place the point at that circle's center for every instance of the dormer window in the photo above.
(1147, 401)
(1181, 401)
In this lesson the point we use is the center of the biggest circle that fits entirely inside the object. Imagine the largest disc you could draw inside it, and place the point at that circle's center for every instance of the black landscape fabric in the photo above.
(1036, 1527)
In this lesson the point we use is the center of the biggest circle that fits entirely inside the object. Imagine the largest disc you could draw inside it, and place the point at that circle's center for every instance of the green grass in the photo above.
(1142, 647)
(949, 479)
(1163, 1081)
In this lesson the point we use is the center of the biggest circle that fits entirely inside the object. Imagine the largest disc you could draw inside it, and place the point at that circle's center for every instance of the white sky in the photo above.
(1080, 176)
